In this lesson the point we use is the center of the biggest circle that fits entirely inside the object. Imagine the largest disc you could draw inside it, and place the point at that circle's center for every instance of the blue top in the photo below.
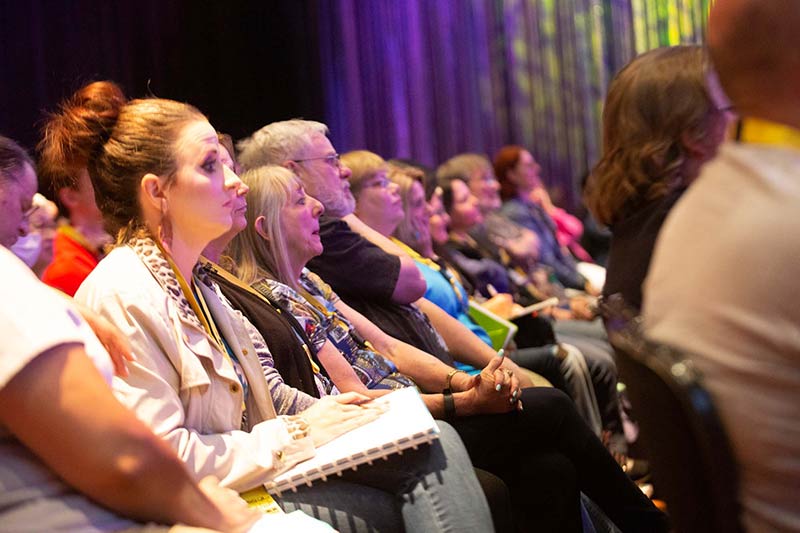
(443, 293)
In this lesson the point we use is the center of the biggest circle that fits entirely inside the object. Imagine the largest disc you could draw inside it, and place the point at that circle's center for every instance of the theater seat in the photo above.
(693, 468)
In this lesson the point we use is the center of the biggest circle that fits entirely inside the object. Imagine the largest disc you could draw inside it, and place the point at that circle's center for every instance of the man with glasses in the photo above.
(303, 147)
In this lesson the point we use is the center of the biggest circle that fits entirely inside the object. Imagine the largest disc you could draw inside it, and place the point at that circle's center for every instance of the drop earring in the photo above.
(164, 225)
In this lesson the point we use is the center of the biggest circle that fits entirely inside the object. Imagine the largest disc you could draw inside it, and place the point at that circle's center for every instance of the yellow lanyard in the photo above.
(242, 285)
(202, 312)
(322, 309)
(760, 131)
(198, 305)
(310, 298)
(449, 275)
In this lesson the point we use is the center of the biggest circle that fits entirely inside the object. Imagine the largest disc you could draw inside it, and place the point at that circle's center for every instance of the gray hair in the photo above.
(13, 158)
(278, 142)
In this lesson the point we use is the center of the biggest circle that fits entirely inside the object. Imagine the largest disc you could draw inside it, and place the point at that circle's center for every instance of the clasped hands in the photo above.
(497, 389)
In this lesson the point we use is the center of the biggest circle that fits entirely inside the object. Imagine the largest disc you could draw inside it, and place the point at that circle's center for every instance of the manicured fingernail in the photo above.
(511, 400)
(501, 352)
(519, 406)
(498, 387)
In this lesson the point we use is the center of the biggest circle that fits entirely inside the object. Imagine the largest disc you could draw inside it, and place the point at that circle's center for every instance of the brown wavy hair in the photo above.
(653, 104)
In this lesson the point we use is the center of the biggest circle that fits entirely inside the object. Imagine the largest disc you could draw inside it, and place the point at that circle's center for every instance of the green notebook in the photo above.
(500, 330)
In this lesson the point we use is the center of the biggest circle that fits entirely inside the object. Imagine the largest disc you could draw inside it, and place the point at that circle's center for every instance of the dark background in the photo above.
(244, 64)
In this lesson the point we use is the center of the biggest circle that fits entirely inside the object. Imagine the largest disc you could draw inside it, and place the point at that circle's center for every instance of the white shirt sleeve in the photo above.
(34, 318)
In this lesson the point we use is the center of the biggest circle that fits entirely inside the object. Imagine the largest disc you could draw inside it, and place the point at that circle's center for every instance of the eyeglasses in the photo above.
(333, 160)
(380, 183)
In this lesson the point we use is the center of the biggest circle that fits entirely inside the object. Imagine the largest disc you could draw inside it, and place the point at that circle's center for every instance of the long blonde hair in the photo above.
(652, 103)
(405, 177)
(271, 188)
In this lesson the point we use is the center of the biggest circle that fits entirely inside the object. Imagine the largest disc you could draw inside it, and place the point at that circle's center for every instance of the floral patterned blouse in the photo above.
(316, 312)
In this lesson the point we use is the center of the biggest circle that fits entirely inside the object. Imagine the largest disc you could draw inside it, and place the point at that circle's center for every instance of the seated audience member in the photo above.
(62, 168)
(203, 379)
(294, 356)
(17, 187)
(80, 460)
(372, 278)
(274, 281)
(495, 236)
(721, 283)
(271, 254)
(514, 246)
(35, 249)
(660, 124)
(518, 183)
(518, 165)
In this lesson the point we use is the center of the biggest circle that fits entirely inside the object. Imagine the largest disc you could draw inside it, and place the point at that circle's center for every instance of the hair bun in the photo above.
(99, 102)
(82, 125)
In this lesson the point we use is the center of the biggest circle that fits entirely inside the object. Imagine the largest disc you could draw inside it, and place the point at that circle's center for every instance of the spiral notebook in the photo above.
(405, 424)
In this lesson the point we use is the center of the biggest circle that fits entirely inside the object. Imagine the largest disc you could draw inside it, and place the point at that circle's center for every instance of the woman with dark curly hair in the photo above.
(660, 124)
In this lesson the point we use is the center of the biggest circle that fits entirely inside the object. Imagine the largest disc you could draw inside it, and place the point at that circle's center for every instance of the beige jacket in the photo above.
(182, 383)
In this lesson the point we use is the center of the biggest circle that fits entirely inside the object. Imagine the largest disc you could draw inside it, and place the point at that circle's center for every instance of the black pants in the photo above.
(546, 454)
(542, 361)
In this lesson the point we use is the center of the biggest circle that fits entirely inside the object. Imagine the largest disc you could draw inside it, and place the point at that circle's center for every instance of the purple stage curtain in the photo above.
(428, 79)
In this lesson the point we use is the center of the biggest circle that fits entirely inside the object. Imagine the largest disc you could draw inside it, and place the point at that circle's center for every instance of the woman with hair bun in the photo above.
(63, 157)
(203, 378)
(79, 460)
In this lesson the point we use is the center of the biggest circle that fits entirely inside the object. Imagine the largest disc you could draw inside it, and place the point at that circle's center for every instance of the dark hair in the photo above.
(64, 148)
(13, 157)
(226, 141)
(447, 193)
(123, 141)
(505, 160)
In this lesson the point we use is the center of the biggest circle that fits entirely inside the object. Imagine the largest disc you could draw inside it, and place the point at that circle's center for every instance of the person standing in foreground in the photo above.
(722, 280)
